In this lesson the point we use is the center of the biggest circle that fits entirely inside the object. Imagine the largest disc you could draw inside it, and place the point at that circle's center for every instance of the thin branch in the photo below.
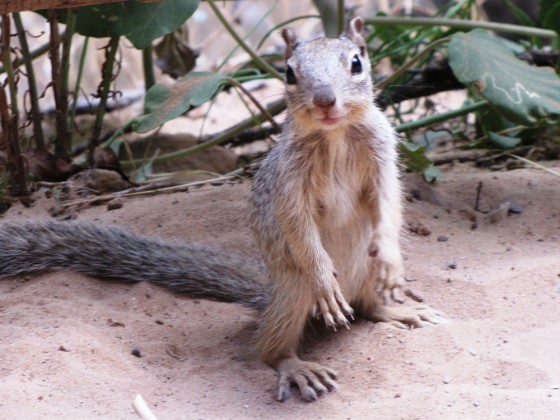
(534, 164)
(263, 65)
(273, 109)
(460, 23)
(262, 109)
(61, 149)
(433, 119)
(32, 55)
(389, 80)
(107, 78)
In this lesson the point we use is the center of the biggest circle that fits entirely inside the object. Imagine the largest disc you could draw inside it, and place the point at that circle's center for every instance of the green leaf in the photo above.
(550, 14)
(417, 160)
(140, 22)
(503, 142)
(163, 103)
(522, 17)
(522, 93)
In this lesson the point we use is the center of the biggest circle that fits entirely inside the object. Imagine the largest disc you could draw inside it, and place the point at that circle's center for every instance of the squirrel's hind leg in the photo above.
(281, 328)
(311, 378)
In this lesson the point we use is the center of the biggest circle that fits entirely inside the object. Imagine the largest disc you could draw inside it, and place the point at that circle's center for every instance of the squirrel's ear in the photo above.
(354, 32)
(290, 38)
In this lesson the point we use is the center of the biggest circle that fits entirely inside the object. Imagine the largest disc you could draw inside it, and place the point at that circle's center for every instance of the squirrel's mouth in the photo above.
(330, 121)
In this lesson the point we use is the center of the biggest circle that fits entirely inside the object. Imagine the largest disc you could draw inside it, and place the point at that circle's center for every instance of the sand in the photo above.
(69, 344)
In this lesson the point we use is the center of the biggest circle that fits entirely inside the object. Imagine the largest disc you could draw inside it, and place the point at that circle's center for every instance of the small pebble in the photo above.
(114, 204)
(442, 238)
(451, 264)
(514, 208)
(473, 352)
(446, 380)
(136, 352)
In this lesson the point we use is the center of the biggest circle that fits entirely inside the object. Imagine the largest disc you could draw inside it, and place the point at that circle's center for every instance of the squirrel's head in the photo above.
(328, 81)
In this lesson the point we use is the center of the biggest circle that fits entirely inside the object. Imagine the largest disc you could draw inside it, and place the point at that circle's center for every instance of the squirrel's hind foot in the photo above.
(310, 378)
(409, 317)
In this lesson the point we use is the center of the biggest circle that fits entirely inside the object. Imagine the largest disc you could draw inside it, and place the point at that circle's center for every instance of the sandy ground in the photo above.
(67, 340)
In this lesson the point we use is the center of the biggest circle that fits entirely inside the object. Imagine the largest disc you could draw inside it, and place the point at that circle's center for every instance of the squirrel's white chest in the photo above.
(343, 186)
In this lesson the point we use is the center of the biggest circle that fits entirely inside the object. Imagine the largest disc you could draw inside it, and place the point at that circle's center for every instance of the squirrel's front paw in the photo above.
(331, 305)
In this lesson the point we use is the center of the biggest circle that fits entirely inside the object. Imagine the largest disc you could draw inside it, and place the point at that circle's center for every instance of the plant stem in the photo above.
(263, 110)
(61, 149)
(77, 88)
(389, 80)
(273, 109)
(263, 65)
(33, 97)
(32, 55)
(247, 35)
(282, 24)
(6, 58)
(64, 140)
(15, 165)
(414, 125)
(329, 16)
(148, 64)
(103, 92)
(460, 23)
(9, 122)
(340, 17)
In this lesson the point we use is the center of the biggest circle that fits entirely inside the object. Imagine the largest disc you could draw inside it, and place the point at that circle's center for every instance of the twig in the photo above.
(457, 155)
(32, 55)
(143, 409)
(477, 199)
(168, 189)
(534, 164)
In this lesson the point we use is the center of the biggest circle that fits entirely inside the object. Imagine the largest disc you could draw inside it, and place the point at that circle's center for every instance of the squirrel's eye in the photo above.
(290, 76)
(356, 65)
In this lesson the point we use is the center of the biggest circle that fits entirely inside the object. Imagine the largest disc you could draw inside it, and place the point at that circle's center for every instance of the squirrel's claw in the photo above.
(311, 379)
(334, 309)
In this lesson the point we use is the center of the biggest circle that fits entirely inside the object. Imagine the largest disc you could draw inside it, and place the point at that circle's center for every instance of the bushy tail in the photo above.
(112, 253)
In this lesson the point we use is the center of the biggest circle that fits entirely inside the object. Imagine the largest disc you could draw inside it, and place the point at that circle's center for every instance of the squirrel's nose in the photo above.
(324, 97)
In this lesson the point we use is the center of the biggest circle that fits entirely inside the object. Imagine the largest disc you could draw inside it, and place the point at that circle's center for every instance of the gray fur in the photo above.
(109, 252)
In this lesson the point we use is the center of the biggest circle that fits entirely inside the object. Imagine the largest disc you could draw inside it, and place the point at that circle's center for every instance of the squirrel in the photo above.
(325, 209)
